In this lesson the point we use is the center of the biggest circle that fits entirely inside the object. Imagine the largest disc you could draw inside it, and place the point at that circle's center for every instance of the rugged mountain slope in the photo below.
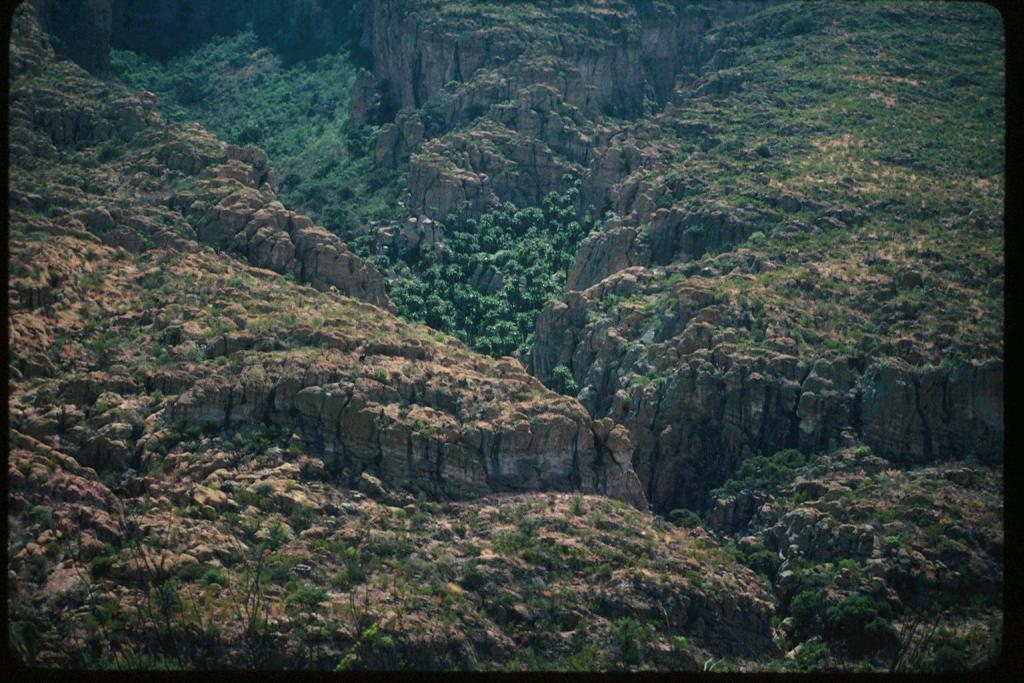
(163, 346)
(512, 97)
(865, 300)
(228, 451)
(113, 287)
(847, 539)
(465, 107)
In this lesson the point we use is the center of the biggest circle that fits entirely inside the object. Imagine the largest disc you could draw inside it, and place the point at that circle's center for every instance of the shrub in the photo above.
(279, 568)
(190, 572)
(108, 152)
(760, 472)
(947, 658)
(215, 575)
(301, 518)
(473, 578)
(100, 566)
(278, 536)
(879, 636)
(806, 609)
(563, 382)
(811, 655)
(306, 597)
(764, 562)
(41, 514)
(629, 636)
(862, 624)
(796, 26)
(166, 598)
(789, 457)
(577, 504)
(688, 519)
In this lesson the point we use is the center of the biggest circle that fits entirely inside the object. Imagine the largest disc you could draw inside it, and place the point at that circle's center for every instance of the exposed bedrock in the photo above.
(714, 404)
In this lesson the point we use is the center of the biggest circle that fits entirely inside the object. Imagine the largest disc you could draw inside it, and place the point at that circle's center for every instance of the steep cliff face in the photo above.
(617, 54)
(80, 29)
(416, 424)
(554, 76)
(297, 29)
(667, 235)
(698, 398)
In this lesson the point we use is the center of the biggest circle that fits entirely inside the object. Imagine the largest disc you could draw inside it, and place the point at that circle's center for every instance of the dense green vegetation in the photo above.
(296, 113)
(489, 280)
(762, 472)
(562, 381)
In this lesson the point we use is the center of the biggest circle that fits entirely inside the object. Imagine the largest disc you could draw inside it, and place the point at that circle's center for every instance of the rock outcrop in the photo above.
(671, 235)
(417, 51)
(230, 203)
(731, 307)
(931, 413)
(495, 165)
(436, 76)
(236, 215)
(697, 400)
(834, 521)
(417, 425)
(366, 394)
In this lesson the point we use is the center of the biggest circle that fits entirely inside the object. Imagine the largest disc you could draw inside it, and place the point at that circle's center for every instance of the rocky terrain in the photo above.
(842, 312)
(749, 258)
(847, 539)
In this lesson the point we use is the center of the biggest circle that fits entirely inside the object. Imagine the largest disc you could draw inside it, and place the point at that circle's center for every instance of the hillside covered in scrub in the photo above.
(506, 336)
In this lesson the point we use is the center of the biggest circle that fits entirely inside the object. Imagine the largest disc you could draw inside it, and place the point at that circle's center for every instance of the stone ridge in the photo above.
(225, 194)
(240, 218)
(126, 299)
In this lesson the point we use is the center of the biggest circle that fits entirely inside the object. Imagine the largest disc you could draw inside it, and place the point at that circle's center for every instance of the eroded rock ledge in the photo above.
(698, 397)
